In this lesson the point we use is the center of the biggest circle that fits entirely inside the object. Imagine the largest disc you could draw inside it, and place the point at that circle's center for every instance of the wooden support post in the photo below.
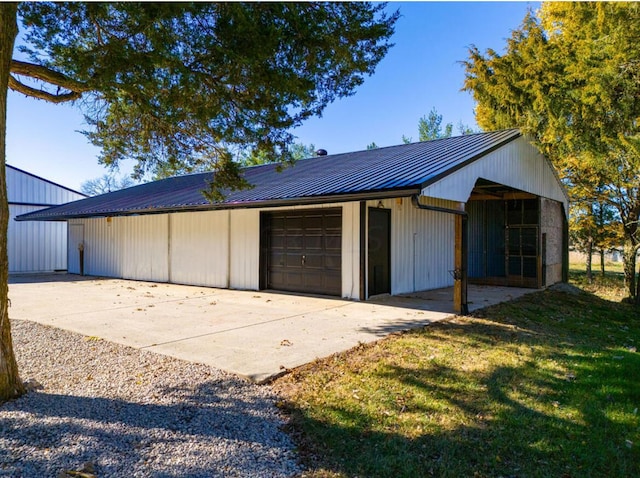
(460, 266)
(460, 255)
(457, 267)
(464, 305)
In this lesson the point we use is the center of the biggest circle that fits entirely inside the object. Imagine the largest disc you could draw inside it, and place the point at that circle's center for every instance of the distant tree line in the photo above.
(430, 127)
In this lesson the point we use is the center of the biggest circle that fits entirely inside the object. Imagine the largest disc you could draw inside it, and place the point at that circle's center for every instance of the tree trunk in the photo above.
(602, 262)
(629, 265)
(589, 259)
(637, 301)
(10, 384)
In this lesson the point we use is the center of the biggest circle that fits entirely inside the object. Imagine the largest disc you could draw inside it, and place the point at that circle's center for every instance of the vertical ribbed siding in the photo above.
(204, 247)
(422, 245)
(351, 250)
(35, 246)
(200, 248)
(476, 239)
(245, 249)
(517, 164)
(24, 188)
(102, 247)
(75, 238)
(129, 247)
(144, 247)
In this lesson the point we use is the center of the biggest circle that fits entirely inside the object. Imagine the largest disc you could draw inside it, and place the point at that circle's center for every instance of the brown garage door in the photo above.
(303, 251)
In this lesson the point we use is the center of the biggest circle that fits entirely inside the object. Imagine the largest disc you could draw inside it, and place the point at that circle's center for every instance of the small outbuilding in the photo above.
(36, 246)
(486, 207)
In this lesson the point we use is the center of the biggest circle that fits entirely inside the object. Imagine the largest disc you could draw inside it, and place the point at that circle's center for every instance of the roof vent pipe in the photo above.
(321, 152)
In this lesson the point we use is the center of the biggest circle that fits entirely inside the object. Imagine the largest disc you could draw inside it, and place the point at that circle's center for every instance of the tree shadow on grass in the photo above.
(563, 402)
(203, 433)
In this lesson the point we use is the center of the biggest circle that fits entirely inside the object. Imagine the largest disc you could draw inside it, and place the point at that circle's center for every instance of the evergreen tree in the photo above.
(180, 85)
(570, 78)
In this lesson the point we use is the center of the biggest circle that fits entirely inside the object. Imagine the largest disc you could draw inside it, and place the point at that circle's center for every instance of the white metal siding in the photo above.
(76, 238)
(101, 246)
(25, 188)
(35, 246)
(517, 164)
(422, 245)
(244, 257)
(222, 248)
(214, 248)
(144, 247)
(351, 250)
(200, 248)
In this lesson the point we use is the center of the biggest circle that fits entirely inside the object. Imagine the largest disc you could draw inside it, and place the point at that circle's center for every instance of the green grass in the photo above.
(548, 385)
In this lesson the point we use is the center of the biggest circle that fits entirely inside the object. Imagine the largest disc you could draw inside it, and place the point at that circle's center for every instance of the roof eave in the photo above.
(297, 201)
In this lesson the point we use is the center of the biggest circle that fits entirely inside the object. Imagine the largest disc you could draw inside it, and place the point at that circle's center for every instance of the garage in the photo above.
(302, 251)
(486, 208)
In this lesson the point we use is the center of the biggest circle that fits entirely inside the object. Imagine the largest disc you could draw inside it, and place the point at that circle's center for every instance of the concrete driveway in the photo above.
(257, 335)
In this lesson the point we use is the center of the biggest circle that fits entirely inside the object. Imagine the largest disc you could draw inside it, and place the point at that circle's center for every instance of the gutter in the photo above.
(389, 193)
(416, 202)
(460, 272)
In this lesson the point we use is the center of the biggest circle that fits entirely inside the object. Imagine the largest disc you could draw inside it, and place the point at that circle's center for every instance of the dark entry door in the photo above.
(303, 251)
(379, 247)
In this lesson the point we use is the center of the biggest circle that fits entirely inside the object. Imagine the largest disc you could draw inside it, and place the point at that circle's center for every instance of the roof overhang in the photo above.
(288, 202)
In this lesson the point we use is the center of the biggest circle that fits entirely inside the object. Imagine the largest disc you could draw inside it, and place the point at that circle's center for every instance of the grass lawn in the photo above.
(545, 386)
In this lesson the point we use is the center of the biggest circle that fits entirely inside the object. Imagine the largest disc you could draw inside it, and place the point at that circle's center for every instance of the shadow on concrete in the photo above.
(38, 278)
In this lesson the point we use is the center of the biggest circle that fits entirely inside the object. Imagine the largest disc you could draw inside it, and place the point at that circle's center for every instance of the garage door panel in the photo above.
(294, 242)
(313, 223)
(313, 281)
(304, 251)
(277, 224)
(294, 222)
(277, 242)
(333, 262)
(313, 261)
(333, 242)
(333, 221)
(293, 261)
(314, 242)
(277, 258)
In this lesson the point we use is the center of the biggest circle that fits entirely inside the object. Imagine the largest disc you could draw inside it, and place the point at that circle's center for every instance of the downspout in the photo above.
(169, 232)
(228, 278)
(363, 251)
(460, 273)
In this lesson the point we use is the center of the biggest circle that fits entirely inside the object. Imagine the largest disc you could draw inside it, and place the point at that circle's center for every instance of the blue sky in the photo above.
(420, 72)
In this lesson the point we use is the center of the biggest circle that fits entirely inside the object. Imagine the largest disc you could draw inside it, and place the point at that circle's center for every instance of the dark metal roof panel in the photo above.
(404, 167)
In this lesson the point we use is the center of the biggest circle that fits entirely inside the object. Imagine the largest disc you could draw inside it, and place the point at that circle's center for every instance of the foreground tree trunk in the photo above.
(638, 291)
(629, 265)
(10, 384)
(589, 261)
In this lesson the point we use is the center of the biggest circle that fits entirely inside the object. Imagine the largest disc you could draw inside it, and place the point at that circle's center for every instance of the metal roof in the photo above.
(394, 170)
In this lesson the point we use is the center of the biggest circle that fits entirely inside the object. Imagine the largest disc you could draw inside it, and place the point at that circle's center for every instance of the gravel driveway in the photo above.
(111, 410)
